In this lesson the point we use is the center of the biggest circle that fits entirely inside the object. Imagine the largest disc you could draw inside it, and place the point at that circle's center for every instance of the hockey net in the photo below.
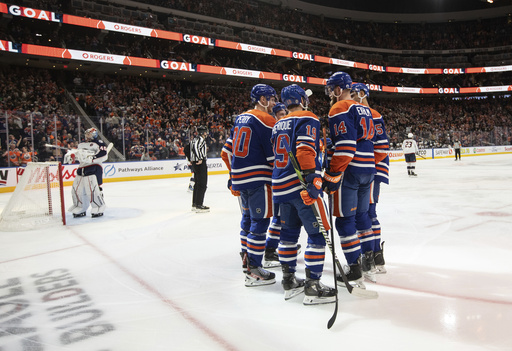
(38, 199)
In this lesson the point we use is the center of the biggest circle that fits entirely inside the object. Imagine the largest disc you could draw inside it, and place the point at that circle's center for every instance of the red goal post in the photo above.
(38, 199)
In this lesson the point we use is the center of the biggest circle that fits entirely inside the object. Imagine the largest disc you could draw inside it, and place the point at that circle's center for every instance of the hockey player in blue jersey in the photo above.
(352, 132)
(300, 129)
(86, 188)
(248, 155)
(375, 259)
(274, 230)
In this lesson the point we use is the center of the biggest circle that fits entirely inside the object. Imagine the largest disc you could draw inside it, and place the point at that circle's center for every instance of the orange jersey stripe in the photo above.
(355, 242)
(293, 182)
(244, 175)
(257, 247)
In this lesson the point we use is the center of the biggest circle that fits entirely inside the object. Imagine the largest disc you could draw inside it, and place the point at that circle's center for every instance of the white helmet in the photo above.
(410, 135)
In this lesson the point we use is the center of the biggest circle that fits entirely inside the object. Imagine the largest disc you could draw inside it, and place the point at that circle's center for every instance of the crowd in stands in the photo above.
(150, 118)
(483, 33)
(21, 29)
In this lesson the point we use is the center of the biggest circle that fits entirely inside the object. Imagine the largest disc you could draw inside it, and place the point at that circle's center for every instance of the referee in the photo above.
(198, 159)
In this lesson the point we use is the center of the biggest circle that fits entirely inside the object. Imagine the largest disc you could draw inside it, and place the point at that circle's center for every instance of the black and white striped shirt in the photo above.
(198, 149)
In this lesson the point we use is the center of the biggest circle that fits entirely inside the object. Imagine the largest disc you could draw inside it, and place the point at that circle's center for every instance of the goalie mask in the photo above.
(91, 134)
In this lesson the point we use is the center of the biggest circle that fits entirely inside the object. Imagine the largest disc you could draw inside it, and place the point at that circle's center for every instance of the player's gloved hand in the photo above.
(314, 188)
(233, 192)
(70, 157)
(332, 181)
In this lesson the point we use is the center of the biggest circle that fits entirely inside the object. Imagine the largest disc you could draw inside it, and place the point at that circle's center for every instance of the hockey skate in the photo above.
(202, 209)
(316, 292)
(257, 276)
(413, 174)
(379, 260)
(354, 275)
(368, 266)
(96, 215)
(271, 258)
(292, 285)
(77, 215)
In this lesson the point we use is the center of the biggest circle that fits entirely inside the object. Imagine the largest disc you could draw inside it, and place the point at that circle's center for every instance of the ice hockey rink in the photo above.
(152, 275)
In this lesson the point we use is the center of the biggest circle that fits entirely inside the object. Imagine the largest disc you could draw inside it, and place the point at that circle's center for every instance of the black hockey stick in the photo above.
(351, 289)
(335, 313)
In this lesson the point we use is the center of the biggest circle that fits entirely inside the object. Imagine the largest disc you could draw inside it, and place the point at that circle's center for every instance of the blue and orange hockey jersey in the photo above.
(381, 148)
(248, 152)
(352, 133)
(301, 130)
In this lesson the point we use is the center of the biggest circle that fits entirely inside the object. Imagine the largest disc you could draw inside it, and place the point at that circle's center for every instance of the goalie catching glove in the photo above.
(313, 188)
(332, 181)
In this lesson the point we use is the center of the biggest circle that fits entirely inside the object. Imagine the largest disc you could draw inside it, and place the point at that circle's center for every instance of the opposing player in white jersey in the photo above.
(86, 188)
(410, 149)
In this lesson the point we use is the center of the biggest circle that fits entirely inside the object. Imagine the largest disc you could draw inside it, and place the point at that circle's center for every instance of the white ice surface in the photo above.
(151, 275)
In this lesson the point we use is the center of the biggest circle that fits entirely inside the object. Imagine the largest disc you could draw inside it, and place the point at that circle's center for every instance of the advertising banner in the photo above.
(120, 171)
(16, 10)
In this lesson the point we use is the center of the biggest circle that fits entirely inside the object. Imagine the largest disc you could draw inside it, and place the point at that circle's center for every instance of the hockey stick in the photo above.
(351, 289)
(335, 313)
(109, 147)
(56, 147)
(421, 156)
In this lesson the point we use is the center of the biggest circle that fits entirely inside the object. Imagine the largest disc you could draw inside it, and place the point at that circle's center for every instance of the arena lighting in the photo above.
(490, 1)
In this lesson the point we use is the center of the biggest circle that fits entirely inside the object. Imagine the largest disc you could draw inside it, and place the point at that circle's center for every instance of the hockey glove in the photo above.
(233, 192)
(314, 188)
(332, 181)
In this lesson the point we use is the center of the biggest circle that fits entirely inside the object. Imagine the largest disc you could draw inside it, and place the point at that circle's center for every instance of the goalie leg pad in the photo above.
(80, 199)
(95, 195)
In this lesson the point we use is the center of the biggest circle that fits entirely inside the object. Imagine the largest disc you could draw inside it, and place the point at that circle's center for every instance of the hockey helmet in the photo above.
(410, 135)
(91, 134)
(278, 107)
(260, 90)
(293, 95)
(338, 79)
(357, 87)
